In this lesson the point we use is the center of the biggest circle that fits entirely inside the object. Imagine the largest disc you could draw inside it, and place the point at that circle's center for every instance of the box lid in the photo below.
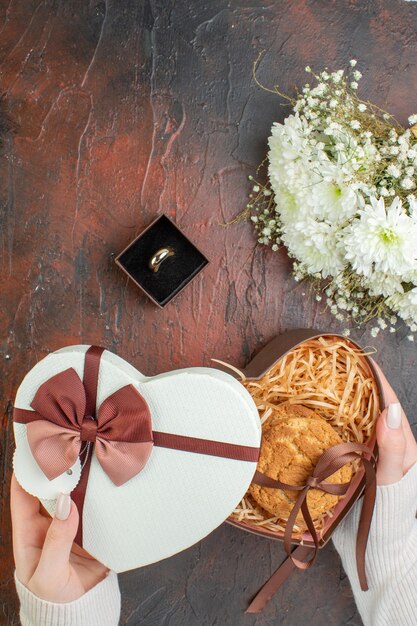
(198, 461)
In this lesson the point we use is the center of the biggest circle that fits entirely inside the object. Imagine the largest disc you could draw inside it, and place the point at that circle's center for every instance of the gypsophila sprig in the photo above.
(341, 197)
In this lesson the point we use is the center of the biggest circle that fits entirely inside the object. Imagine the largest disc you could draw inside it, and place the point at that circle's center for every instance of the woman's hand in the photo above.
(47, 561)
(397, 446)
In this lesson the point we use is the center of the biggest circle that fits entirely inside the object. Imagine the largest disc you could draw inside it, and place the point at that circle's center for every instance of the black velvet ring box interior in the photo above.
(173, 273)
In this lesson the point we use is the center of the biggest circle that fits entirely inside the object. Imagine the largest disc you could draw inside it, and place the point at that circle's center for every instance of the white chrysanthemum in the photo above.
(288, 140)
(333, 199)
(289, 154)
(335, 202)
(315, 245)
(405, 305)
(381, 283)
(382, 239)
(287, 205)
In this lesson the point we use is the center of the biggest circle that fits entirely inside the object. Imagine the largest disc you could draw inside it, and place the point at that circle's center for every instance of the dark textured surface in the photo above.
(127, 109)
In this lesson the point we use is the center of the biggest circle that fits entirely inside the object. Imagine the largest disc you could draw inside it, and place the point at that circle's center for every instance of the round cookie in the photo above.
(285, 410)
(290, 449)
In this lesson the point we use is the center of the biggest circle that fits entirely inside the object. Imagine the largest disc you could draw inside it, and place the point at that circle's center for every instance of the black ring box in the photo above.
(174, 273)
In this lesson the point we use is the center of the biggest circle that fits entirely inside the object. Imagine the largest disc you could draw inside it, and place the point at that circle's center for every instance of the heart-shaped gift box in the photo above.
(165, 458)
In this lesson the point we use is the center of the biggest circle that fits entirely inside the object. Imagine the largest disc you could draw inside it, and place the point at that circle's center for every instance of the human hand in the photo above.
(47, 561)
(397, 446)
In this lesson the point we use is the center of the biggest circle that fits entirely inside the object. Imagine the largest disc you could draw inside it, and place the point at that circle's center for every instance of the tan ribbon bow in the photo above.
(121, 433)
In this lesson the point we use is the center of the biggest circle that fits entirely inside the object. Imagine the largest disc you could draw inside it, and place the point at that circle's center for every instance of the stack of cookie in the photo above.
(294, 437)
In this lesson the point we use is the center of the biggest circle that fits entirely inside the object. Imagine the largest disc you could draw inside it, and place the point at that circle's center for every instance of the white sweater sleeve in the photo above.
(100, 606)
(391, 555)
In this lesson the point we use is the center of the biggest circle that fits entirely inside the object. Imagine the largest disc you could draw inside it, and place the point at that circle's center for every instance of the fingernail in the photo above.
(394, 415)
(63, 506)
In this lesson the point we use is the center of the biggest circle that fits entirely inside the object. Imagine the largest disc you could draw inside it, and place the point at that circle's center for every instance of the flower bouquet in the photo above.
(341, 197)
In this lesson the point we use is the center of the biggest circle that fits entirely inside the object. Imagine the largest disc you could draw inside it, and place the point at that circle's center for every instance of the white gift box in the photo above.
(179, 496)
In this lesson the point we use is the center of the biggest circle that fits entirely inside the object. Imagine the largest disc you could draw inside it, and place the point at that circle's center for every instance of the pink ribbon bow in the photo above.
(122, 432)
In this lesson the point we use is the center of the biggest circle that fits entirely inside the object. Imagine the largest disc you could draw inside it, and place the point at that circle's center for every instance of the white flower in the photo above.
(357, 75)
(383, 283)
(319, 90)
(287, 205)
(353, 62)
(412, 119)
(355, 124)
(405, 304)
(289, 150)
(333, 200)
(392, 170)
(288, 140)
(312, 102)
(354, 84)
(362, 107)
(315, 244)
(404, 138)
(337, 76)
(381, 239)
(407, 183)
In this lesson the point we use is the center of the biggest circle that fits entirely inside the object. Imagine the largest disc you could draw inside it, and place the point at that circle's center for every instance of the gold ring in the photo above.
(159, 257)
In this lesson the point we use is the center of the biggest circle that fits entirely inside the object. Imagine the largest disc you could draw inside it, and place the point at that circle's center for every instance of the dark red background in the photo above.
(123, 110)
